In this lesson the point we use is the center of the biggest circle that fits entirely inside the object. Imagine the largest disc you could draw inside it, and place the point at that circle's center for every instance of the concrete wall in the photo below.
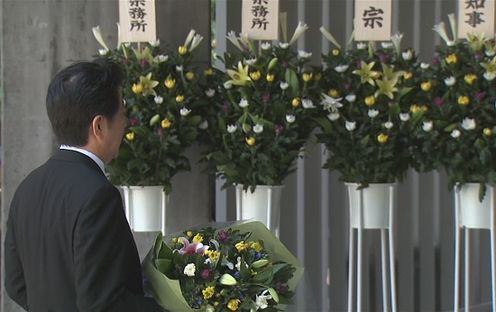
(38, 38)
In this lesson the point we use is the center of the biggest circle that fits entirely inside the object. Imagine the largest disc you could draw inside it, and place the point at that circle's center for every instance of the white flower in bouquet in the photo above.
(250, 62)
(283, 45)
(210, 92)
(424, 65)
(261, 301)
(386, 45)
(158, 99)
(341, 68)
(160, 58)
(350, 98)
(231, 128)
(98, 36)
(350, 125)
(203, 125)
(189, 269)
(307, 103)
(489, 76)
(333, 116)
(184, 111)
(455, 133)
(283, 85)
(404, 116)
(373, 113)
(154, 43)
(450, 81)
(258, 128)
(290, 118)
(103, 52)
(243, 103)
(468, 124)
(331, 103)
(427, 126)
(304, 54)
(361, 45)
(179, 68)
(300, 29)
(192, 40)
(231, 36)
(228, 84)
(388, 125)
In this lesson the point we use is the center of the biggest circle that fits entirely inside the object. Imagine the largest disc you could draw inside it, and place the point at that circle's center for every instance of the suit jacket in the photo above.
(68, 245)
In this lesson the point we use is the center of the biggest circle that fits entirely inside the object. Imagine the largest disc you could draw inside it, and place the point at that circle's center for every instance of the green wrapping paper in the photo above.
(167, 292)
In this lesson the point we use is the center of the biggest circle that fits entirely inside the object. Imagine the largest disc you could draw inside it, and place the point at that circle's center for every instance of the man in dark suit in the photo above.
(68, 245)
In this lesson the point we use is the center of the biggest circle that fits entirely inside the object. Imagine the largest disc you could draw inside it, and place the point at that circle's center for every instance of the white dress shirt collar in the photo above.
(95, 158)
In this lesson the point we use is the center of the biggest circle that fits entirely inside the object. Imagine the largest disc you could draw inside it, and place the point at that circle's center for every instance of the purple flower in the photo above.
(436, 61)
(160, 132)
(281, 288)
(384, 58)
(225, 107)
(133, 121)
(143, 63)
(223, 235)
(236, 275)
(258, 256)
(266, 98)
(285, 64)
(438, 101)
(480, 95)
(279, 129)
(206, 274)
(478, 56)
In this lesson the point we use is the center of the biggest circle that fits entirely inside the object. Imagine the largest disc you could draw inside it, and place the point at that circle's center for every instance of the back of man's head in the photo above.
(80, 92)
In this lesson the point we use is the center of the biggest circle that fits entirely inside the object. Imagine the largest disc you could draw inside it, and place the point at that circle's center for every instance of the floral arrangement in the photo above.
(160, 94)
(365, 109)
(456, 130)
(265, 111)
(238, 268)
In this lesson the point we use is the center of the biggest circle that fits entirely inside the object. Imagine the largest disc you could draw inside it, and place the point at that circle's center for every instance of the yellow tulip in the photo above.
(130, 136)
(463, 100)
(170, 83)
(382, 138)
(335, 52)
(137, 88)
(189, 233)
(333, 93)
(255, 75)
(451, 59)
(190, 75)
(233, 304)
(180, 98)
(250, 141)
(407, 75)
(487, 132)
(415, 108)
(166, 124)
(470, 78)
(208, 72)
(426, 86)
(370, 100)
(307, 77)
(182, 50)
(296, 102)
(270, 77)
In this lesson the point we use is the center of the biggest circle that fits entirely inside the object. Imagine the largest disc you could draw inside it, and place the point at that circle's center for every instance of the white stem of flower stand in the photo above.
(359, 246)
(493, 249)
(456, 303)
(467, 269)
(351, 267)
(164, 203)
(238, 203)
(392, 272)
(385, 301)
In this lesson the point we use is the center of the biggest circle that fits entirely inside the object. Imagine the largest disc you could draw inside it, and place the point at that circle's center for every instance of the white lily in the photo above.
(231, 36)
(290, 118)
(258, 128)
(454, 29)
(373, 113)
(231, 128)
(307, 103)
(98, 36)
(243, 103)
(427, 126)
(184, 111)
(333, 116)
(455, 133)
(160, 58)
(361, 45)
(330, 103)
(450, 81)
(210, 92)
(386, 45)
(341, 68)
(350, 125)
(468, 124)
(261, 300)
(189, 37)
(350, 98)
(300, 29)
(283, 45)
(441, 30)
(329, 37)
(396, 40)
(404, 116)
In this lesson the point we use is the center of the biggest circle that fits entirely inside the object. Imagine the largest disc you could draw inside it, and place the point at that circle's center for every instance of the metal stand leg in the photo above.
(359, 270)
(385, 301)
(493, 249)
(467, 269)
(351, 268)
(456, 289)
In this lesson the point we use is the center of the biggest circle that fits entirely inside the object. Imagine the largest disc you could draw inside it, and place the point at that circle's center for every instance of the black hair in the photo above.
(80, 92)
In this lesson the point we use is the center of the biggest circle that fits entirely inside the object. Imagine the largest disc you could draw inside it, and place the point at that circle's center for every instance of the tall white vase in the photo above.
(262, 205)
(145, 207)
(376, 204)
(473, 213)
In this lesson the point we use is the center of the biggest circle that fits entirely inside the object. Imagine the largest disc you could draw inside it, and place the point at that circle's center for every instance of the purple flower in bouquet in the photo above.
(225, 107)
(206, 274)
(279, 129)
(479, 96)
(266, 98)
(439, 101)
(223, 236)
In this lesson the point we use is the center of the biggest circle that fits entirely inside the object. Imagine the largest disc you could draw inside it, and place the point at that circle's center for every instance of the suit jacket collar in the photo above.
(73, 156)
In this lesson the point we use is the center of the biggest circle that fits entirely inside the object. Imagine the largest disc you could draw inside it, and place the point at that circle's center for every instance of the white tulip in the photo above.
(158, 99)
(455, 133)
(341, 68)
(307, 103)
(290, 118)
(424, 65)
(304, 55)
(103, 52)
(386, 45)
(373, 113)
(404, 116)
(179, 68)
(361, 45)
(407, 55)
(489, 76)
(265, 46)
(203, 125)
(250, 62)
(388, 125)
(350, 125)
(154, 43)
(283, 85)
(450, 81)
(231, 128)
(333, 116)
(184, 111)
(210, 93)
(350, 98)
(258, 128)
(243, 103)
(468, 124)
(427, 126)
(161, 58)
(283, 45)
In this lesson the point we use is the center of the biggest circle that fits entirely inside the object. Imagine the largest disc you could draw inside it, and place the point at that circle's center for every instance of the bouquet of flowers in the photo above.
(365, 109)
(458, 125)
(265, 111)
(160, 101)
(239, 268)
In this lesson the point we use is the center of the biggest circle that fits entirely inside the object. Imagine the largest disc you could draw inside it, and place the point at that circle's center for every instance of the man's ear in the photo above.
(97, 127)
